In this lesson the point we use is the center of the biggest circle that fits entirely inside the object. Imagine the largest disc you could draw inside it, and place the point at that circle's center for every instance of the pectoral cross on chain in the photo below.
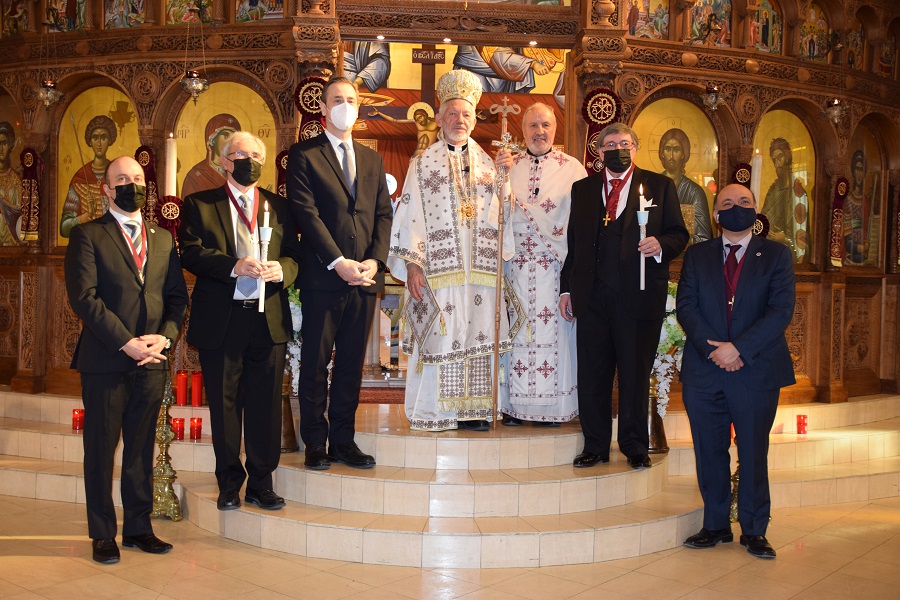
(505, 141)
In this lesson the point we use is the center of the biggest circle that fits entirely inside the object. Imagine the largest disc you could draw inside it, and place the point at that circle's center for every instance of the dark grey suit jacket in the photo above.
(332, 222)
(664, 222)
(106, 292)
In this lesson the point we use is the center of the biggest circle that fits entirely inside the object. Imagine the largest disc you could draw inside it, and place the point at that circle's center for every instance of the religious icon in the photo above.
(10, 189)
(85, 200)
(209, 173)
(367, 64)
(861, 224)
(685, 149)
(674, 153)
(787, 203)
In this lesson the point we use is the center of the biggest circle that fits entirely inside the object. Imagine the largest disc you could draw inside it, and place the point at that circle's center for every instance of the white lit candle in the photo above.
(266, 215)
(171, 165)
(756, 174)
(642, 216)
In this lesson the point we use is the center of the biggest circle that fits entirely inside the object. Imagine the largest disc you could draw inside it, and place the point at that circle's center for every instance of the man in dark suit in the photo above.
(242, 350)
(735, 299)
(618, 323)
(124, 281)
(339, 195)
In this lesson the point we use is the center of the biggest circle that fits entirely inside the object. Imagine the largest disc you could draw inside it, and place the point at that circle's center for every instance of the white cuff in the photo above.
(335, 262)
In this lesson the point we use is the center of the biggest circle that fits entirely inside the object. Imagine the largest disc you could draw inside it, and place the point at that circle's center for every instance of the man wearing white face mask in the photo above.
(339, 196)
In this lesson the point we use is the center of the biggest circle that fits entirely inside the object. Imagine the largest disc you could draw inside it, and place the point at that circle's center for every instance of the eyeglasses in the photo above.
(624, 145)
(241, 154)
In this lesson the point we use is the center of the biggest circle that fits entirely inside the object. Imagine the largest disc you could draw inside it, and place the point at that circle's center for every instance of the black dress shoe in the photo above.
(639, 461)
(350, 455)
(758, 546)
(105, 551)
(511, 421)
(147, 542)
(547, 424)
(473, 425)
(316, 457)
(266, 499)
(708, 538)
(588, 459)
(228, 500)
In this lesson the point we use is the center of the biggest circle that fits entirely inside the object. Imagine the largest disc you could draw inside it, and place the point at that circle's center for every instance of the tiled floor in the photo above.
(841, 551)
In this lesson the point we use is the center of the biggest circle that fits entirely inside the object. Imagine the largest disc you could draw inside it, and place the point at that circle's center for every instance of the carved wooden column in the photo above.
(830, 384)
(595, 62)
(156, 139)
(316, 39)
(893, 222)
(890, 328)
(684, 19)
(36, 294)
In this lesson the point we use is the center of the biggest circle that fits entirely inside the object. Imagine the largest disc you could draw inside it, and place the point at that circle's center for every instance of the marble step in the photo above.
(634, 529)
(58, 441)
(382, 430)
(470, 493)
(839, 445)
(507, 492)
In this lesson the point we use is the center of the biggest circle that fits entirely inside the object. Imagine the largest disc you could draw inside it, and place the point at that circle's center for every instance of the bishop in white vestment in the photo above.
(444, 245)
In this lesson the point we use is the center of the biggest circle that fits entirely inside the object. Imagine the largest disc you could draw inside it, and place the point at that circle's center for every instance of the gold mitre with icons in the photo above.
(461, 84)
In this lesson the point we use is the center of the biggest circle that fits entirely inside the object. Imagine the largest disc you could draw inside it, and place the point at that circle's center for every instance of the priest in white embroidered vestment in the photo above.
(541, 367)
(444, 245)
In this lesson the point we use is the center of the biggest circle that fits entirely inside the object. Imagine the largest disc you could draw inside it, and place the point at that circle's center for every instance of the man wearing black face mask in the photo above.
(124, 281)
(618, 323)
(735, 300)
(242, 350)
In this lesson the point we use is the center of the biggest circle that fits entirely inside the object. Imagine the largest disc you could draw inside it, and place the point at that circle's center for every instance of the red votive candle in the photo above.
(802, 424)
(77, 419)
(178, 428)
(196, 427)
(181, 382)
(197, 389)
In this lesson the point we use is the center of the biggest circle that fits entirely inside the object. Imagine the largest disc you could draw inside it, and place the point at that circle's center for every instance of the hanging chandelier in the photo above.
(834, 109)
(192, 82)
(48, 93)
(713, 98)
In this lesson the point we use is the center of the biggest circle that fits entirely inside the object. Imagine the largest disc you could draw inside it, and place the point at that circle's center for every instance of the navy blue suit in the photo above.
(748, 398)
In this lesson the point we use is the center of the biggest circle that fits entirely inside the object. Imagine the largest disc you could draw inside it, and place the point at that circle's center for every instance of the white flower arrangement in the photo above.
(293, 347)
(668, 352)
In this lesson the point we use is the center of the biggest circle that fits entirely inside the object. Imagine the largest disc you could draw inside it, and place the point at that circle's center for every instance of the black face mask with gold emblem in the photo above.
(131, 197)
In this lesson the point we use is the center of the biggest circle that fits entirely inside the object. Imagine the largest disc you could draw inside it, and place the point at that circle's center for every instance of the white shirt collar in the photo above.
(336, 144)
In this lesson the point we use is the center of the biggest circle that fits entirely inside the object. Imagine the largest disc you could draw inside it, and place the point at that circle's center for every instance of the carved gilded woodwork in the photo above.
(270, 58)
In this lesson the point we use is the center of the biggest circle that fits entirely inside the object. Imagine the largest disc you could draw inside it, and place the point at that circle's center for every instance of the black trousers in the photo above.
(711, 411)
(607, 339)
(338, 321)
(243, 387)
(114, 404)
